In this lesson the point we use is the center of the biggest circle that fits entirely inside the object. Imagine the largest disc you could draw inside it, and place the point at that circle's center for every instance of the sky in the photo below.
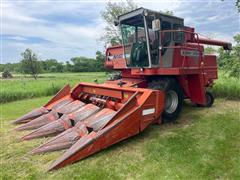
(64, 29)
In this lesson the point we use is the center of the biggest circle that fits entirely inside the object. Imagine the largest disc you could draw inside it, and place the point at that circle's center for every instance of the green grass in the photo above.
(203, 144)
(227, 87)
(47, 84)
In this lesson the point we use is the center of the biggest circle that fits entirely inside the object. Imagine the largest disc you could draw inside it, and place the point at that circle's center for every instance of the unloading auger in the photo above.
(91, 117)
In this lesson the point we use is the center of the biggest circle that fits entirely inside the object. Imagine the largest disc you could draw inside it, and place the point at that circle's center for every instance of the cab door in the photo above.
(166, 42)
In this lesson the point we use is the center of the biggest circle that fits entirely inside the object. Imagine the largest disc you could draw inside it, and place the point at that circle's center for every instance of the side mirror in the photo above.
(156, 25)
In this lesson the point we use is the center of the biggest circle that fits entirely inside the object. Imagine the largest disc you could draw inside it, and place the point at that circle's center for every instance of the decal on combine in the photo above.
(115, 56)
(148, 111)
(190, 53)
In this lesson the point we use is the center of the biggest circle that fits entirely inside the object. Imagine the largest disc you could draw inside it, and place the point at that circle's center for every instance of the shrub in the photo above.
(6, 74)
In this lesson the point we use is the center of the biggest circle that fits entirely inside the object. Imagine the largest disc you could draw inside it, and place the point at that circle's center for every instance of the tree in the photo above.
(83, 64)
(6, 74)
(110, 14)
(168, 12)
(230, 62)
(223, 58)
(237, 4)
(68, 67)
(12, 67)
(52, 65)
(30, 63)
(100, 56)
(209, 50)
(234, 63)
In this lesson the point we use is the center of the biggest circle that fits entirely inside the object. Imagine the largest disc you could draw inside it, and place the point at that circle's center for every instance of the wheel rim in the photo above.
(171, 101)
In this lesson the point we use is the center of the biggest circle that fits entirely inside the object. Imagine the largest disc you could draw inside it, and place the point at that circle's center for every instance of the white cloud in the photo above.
(213, 17)
(17, 38)
(11, 13)
(162, 5)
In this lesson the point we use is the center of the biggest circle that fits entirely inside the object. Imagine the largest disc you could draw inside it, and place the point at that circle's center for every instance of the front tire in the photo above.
(173, 97)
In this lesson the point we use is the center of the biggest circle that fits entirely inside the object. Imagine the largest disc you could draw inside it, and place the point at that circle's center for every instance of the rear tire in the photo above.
(209, 100)
(173, 97)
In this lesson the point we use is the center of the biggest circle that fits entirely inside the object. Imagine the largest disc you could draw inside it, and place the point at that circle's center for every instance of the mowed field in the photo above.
(202, 144)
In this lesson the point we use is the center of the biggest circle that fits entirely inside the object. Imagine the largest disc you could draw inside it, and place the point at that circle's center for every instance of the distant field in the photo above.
(21, 87)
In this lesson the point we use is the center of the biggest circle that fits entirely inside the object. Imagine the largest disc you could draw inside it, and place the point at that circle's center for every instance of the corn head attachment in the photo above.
(90, 118)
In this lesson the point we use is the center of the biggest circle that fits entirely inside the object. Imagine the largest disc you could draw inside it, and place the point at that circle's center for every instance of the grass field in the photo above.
(227, 87)
(48, 84)
(203, 144)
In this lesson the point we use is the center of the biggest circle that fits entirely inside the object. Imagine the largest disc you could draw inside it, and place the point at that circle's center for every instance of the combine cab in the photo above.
(162, 62)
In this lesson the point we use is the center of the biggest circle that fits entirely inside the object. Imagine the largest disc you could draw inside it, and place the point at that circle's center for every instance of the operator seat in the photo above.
(138, 57)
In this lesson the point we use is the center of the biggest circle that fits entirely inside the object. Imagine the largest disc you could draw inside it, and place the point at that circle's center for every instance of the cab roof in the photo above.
(142, 10)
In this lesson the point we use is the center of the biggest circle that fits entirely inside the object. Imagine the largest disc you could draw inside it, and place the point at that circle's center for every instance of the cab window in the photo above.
(177, 36)
(166, 36)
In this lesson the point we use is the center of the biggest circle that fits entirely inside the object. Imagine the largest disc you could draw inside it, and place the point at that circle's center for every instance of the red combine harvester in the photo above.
(162, 62)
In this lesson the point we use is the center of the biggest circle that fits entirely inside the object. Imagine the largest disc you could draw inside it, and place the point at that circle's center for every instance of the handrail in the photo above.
(196, 38)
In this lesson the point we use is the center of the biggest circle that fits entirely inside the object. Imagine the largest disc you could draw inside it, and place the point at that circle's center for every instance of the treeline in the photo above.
(76, 64)
(230, 61)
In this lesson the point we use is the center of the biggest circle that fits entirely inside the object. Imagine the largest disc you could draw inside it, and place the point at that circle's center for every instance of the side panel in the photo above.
(115, 58)
(152, 109)
(188, 56)
(210, 69)
(196, 88)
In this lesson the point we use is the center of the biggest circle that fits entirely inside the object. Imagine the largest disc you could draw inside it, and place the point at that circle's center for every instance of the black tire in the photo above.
(209, 100)
(173, 97)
